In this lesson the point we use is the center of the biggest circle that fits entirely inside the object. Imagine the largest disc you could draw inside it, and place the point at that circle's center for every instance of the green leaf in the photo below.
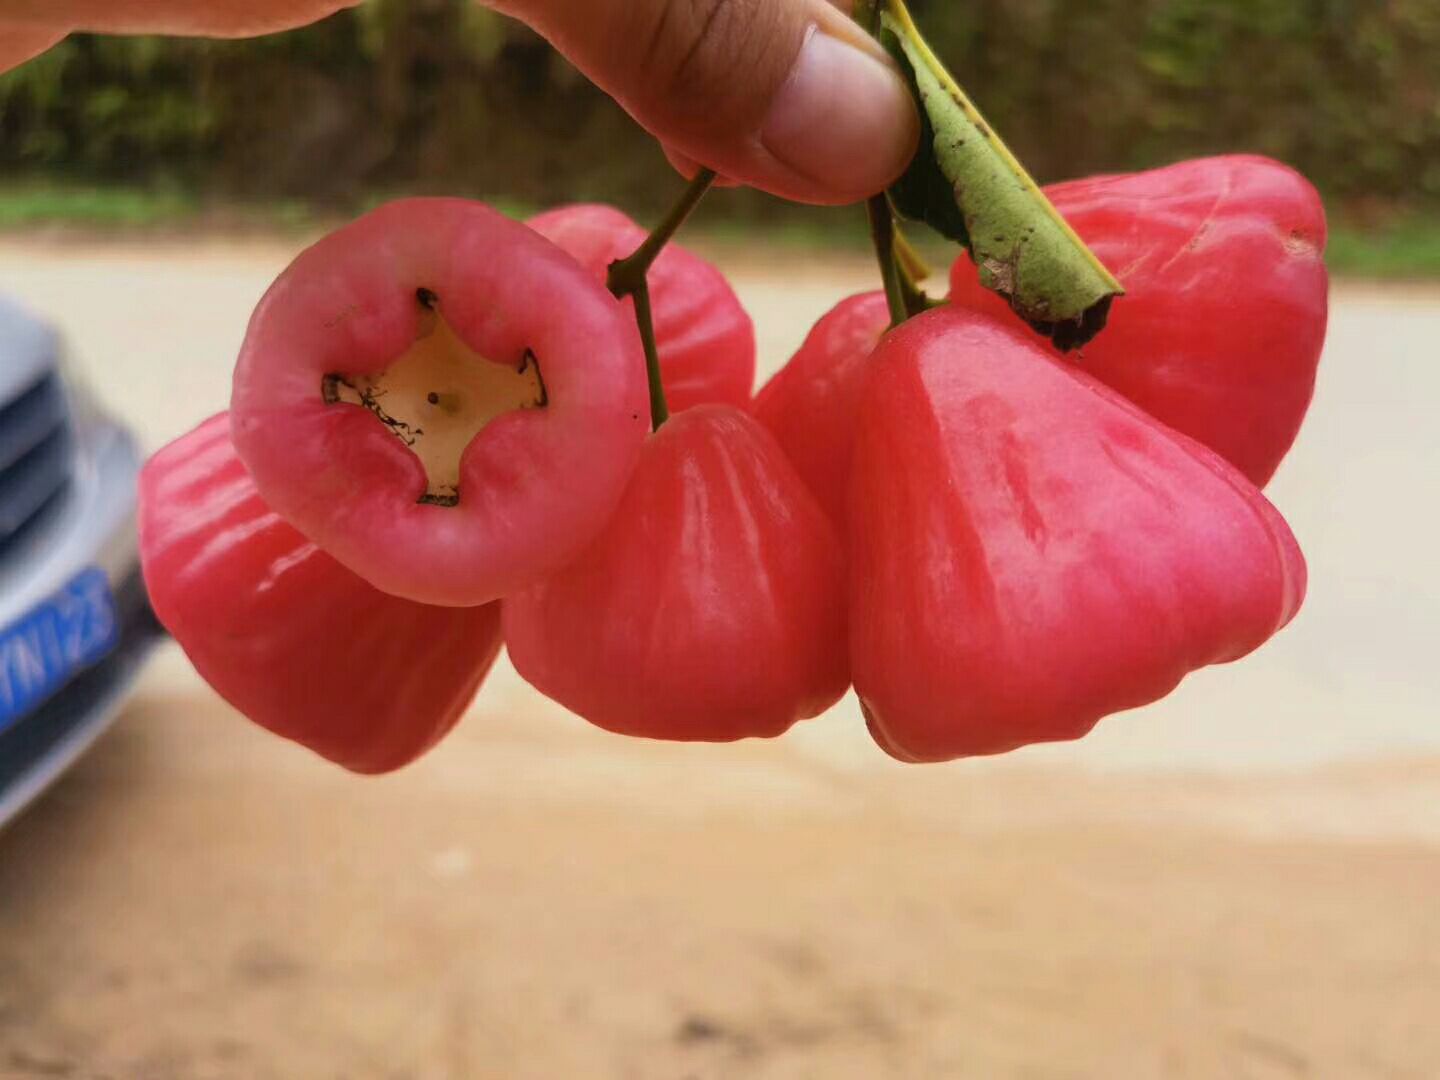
(967, 185)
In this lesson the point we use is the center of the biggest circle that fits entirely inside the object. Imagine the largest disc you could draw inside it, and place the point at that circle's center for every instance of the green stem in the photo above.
(659, 410)
(898, 260)
(882, 234)
(912, 263)
(628, 277)
(899, 263)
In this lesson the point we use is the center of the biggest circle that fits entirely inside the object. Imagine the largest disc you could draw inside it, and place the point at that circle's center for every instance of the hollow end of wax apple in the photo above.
(438, 395)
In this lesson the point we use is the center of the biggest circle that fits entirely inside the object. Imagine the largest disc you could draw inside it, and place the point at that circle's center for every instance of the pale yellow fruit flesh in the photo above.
(438, 395)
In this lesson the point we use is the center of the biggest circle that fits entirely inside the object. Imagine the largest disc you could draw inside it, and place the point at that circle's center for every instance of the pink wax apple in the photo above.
(1030, 552)
(812, 404)
(442, 399)
(711, 608)
(287, 635)
(705, 338)
(1220, 330)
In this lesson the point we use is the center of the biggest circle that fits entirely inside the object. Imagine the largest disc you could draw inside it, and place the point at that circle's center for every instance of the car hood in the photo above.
(27, 350)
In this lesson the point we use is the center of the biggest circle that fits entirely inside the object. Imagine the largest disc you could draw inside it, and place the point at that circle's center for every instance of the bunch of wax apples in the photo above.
(441, 439)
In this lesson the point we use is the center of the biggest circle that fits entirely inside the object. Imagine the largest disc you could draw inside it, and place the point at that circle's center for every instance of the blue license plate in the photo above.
(42, 652)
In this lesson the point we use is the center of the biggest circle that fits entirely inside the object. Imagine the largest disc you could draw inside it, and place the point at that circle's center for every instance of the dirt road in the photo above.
(1224, 886)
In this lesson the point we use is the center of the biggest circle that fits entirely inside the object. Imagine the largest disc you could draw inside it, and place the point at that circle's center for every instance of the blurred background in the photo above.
(445, 96)
(1241, 881)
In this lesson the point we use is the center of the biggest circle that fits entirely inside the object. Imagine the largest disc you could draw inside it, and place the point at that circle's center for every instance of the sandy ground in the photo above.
(1241, 882)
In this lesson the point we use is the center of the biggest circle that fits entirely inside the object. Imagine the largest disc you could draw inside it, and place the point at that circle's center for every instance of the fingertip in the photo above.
(688, 167)
(789, 97)
(842, 126)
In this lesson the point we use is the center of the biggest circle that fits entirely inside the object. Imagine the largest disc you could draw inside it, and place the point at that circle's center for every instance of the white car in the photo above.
(75, 624)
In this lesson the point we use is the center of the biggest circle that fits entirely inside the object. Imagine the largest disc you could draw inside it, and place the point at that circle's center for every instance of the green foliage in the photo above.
(1348, 91)
(1403, 249)
(443, 95)
(91, 104)
(107, 206)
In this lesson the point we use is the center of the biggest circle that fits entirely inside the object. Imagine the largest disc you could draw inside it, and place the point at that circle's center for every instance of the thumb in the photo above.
(785, 95)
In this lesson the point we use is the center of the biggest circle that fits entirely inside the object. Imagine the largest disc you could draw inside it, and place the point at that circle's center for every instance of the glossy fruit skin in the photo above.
(712, 606)
(705, 337)
(1030, 552)
(286, 634)
(1221, 328)
(536, 484)
(813, 402)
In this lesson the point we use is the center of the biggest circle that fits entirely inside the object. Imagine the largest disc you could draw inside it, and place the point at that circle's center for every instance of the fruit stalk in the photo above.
(628, 277)
(877, 207)
(705, 338)
(882, 235)
(659, 410)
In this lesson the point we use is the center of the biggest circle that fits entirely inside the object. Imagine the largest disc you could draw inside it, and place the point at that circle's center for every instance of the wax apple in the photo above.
(442, 399)
(812, 404)
(712, 606)
(1030, 552)
(1221, 327)
(287, 635)
(705, 338)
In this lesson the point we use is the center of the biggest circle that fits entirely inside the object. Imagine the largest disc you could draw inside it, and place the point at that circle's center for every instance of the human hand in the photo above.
(785, 95)
(208, 18)
(789, 96)
(29, 27)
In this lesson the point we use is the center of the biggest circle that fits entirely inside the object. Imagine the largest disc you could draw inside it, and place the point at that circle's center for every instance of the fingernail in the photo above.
(844, 120)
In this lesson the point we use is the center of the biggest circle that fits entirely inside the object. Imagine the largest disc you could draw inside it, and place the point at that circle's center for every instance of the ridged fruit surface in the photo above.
(712, 606)
(287, 635)
(1220, 331)
(1030, 552)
